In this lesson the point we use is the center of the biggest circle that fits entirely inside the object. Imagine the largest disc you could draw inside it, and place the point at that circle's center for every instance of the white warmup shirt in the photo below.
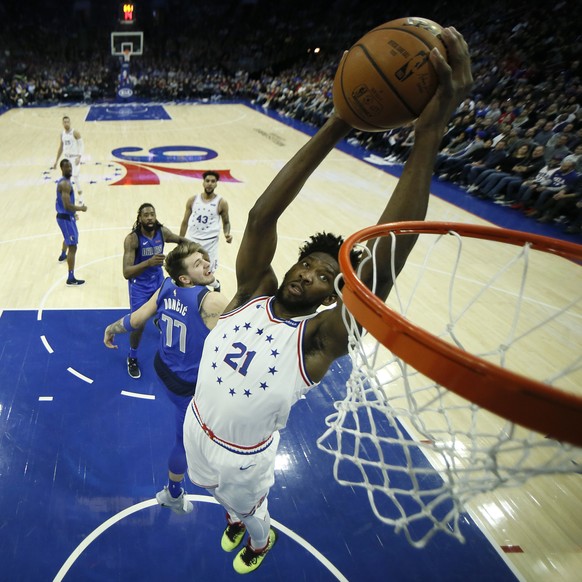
(71, 147)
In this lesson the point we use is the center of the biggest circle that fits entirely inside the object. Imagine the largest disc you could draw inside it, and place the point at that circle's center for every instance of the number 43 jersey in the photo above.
(204, 222)
(251, 373)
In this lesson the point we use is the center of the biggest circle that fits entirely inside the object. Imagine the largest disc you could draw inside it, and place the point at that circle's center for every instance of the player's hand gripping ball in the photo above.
(386, 79)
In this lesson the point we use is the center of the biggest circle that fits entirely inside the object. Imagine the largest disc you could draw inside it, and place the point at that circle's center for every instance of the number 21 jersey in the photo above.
(251, 373)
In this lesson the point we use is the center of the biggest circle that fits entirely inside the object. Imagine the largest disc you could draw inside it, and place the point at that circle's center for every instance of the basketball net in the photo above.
(420, 450)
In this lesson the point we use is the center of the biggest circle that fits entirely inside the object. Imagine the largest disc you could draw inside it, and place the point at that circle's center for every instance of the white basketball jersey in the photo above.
(70, 145)
(251, 373)
(204, 222)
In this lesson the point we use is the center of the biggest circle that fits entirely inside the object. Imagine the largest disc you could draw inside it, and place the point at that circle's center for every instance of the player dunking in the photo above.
(272, 345)
(202, 217)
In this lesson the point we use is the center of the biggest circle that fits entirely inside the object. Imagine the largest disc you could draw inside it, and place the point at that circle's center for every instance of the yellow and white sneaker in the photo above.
(248, 560)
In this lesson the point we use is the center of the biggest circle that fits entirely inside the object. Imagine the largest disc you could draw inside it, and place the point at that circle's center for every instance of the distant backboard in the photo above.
(121, 42)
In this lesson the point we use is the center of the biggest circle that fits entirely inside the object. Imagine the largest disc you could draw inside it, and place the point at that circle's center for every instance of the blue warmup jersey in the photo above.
(142, 287)
(147, 248)
(59, 206)
(66, 218)
(183, 331)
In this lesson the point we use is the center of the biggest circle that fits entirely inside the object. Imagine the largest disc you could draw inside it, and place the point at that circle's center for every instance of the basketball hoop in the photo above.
(126, 55)
(436, 413)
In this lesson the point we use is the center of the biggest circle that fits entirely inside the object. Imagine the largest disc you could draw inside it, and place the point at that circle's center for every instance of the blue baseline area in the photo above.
(127, 112)
(70, 464)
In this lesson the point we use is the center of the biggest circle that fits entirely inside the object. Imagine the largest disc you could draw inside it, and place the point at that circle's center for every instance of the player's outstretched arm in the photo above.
(253, 265)
(131, 321)
(172, 237)
(409, 200)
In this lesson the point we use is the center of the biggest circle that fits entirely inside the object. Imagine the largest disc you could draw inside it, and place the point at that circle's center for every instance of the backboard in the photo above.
(121, 42)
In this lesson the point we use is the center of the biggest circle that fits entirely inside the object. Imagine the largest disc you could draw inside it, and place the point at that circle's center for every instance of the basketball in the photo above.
(386, 78)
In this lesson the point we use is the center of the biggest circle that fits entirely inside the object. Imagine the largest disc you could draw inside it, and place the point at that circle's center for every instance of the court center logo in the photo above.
(144, 169)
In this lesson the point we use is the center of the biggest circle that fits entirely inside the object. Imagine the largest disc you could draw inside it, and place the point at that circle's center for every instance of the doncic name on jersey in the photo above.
(174, 304)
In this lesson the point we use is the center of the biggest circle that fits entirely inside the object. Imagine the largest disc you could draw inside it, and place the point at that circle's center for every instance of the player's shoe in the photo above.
(75, 282)
(62, 257)
(232, 537)
(133, 368)
(248, 560)
(179, 505)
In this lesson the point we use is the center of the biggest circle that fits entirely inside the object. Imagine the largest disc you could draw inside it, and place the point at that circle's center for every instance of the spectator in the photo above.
(545, 133)
(563, 203)
(450, 166)
(521, 172)
(529, 190)
(507, 167)
(559, 147)
(563, 181)
(492, 159)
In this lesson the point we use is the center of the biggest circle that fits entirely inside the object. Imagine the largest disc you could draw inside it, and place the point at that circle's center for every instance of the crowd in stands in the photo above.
(515, 141)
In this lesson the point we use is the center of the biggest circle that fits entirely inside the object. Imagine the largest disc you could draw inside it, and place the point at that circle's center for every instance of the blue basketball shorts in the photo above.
(141, 291)
(69, 229)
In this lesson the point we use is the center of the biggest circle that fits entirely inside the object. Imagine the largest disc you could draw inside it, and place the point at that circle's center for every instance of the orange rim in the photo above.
(524, 401)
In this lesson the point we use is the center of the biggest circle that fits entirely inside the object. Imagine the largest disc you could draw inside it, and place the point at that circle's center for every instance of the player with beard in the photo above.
(272, 345)
(67, 220)
(143, 257)
(203, 217)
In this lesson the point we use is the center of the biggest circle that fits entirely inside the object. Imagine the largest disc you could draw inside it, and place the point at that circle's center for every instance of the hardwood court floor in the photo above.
(533, 532)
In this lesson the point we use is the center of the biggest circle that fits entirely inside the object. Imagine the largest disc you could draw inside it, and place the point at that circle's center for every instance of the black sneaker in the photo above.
(247, 560)
(62, 257)
(73, 282)
(132, 368)
(232, 537)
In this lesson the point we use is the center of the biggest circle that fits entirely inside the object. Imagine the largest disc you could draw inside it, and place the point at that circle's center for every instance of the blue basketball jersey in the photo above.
(151, 277)
(183, 331)
(59, 206)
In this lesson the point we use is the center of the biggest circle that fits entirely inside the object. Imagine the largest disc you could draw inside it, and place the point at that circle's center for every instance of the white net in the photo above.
(419, 450)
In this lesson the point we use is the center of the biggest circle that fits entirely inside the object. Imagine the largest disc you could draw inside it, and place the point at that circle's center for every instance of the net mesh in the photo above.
(422, 452)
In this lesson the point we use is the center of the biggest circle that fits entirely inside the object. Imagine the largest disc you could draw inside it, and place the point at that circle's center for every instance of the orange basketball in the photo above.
(386, 79)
